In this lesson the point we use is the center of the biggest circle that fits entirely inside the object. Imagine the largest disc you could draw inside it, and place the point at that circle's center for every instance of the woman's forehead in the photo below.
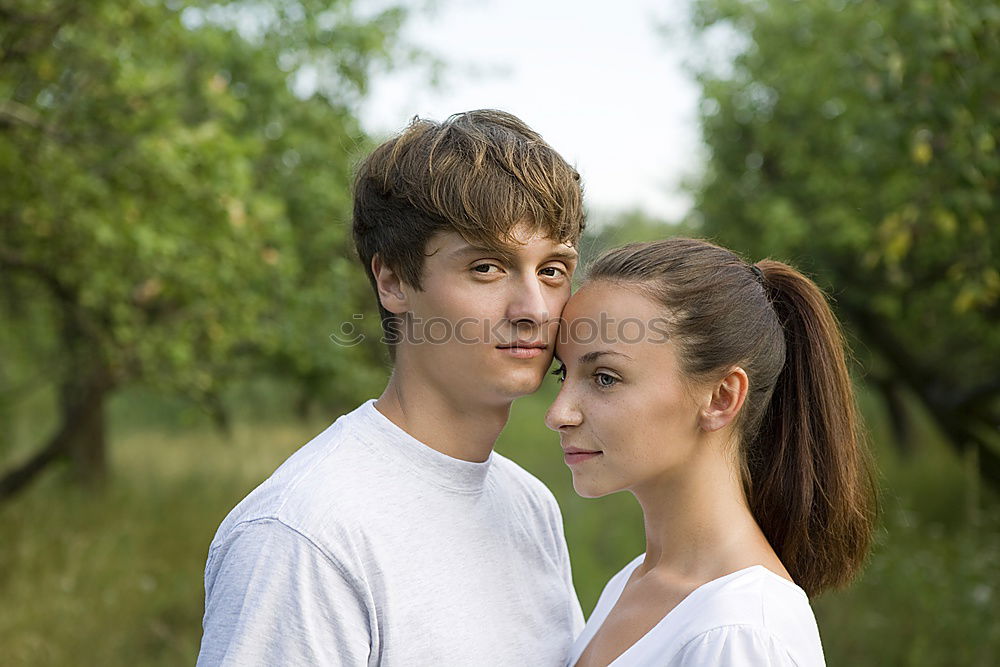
(611, 317)
(597, 297)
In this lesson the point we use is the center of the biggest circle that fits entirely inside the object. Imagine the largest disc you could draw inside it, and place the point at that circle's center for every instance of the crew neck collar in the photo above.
(392, 442)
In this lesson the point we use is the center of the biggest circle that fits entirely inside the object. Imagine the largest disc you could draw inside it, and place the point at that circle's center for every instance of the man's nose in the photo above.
(527, 303)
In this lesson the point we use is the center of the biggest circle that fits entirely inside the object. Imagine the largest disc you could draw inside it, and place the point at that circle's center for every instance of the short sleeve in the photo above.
(576, 612)
(734, 646)
(272, 597)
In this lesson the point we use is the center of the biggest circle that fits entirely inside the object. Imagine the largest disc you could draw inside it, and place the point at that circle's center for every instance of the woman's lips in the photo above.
(574, 456)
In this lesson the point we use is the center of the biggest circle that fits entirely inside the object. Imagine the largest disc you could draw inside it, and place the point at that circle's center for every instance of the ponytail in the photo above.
(806, 472)
(810, 485)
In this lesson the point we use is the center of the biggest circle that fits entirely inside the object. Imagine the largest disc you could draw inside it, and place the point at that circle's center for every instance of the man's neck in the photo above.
(467, 431)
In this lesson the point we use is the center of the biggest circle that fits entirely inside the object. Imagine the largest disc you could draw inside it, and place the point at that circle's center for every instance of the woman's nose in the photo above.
(562, 413)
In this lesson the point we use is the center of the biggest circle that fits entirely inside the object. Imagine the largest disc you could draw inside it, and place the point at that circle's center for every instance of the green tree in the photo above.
(608, 231)
(171, 211)
(858, 139)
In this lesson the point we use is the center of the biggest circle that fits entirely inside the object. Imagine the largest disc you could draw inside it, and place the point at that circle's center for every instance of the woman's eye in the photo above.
(560, 372)
(605, 380)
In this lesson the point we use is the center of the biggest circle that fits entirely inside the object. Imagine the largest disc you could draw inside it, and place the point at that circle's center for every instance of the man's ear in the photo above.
(390, 287)
(726, 400)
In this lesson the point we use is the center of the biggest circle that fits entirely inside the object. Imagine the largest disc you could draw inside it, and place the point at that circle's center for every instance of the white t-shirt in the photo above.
(749, 618)
(366, 547)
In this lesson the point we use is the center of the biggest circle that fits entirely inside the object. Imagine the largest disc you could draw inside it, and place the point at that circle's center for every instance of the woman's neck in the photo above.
(698, 524)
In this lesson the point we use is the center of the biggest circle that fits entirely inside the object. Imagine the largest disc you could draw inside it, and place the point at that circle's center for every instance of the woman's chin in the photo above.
(587, 488)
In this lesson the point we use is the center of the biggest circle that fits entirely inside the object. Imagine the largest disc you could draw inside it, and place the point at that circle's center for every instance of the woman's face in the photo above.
(625, 416)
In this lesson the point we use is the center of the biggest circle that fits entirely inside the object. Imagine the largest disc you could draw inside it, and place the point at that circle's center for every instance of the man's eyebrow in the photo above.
(567, 255)
(564, 254)
(597, 354)
(469, 249)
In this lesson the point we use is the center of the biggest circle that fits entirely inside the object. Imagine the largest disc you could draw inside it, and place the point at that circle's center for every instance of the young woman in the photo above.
(717, 393)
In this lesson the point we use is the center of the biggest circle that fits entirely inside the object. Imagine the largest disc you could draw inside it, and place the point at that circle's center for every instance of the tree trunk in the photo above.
(899, 418)
(80, 437)
(213, 404)
(83, 420)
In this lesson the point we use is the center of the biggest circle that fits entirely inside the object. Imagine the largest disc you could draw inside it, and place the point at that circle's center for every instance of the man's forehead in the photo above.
(452, 244)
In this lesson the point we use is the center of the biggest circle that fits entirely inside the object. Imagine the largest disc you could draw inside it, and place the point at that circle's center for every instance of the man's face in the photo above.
(483, 328)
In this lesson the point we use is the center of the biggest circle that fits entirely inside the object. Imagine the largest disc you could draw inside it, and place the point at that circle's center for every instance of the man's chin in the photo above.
(523, 386)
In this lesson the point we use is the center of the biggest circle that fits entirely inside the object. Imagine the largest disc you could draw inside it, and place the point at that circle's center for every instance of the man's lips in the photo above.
(523, 349)
(573, 455)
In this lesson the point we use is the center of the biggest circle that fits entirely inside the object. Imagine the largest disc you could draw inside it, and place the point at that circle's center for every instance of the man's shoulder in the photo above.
(321, 485)
(519, 475)
(520, 481)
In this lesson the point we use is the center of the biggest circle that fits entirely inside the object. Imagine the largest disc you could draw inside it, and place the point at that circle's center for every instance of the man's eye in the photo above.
(555, 272)
(560, 372)
(485, 268)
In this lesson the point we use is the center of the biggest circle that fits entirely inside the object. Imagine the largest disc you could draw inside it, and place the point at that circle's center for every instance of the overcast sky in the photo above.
(599, 80)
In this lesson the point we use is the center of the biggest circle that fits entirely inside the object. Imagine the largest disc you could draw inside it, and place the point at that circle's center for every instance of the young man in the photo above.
(397, 536)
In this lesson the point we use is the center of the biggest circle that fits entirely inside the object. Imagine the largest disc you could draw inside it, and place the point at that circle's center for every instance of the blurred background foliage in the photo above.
(171, 212)
(859, 140)
(175, 254)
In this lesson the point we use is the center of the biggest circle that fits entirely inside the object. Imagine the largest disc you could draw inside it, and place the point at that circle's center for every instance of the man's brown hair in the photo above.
(479, 173)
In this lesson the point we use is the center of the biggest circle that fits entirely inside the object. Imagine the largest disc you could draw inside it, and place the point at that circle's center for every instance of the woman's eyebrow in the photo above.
(597, 354)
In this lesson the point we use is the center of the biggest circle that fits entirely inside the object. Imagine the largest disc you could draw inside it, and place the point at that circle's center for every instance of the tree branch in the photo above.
(16, 261)
(12, 112)
(18, 478)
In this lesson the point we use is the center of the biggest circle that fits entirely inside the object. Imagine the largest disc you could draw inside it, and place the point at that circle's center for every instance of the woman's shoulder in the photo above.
(751, 612)
(732, 645)
(748, 617)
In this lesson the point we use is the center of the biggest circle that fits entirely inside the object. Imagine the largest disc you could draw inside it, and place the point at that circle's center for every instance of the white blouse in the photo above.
(751, 617)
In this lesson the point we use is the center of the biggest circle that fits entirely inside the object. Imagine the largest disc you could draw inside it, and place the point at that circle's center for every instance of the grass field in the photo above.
(116, 578)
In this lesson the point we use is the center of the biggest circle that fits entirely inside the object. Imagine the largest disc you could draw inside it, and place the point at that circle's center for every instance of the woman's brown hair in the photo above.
(806, 471)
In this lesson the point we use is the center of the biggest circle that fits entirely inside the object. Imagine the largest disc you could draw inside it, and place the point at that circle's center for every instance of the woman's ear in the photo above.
(726, 400)
(390, 287)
